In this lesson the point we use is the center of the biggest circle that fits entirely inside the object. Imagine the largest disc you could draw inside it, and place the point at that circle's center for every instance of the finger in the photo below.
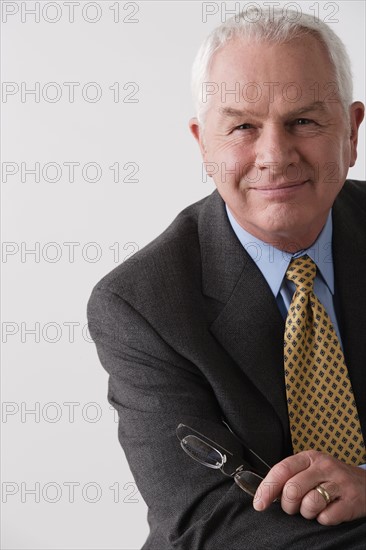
(334, 514)
(303, 486)
(274, 482)
(314, 502)
(349, 505)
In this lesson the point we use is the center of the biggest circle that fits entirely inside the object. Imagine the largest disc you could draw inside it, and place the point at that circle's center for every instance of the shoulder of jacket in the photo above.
(169, 256)
(354, 191)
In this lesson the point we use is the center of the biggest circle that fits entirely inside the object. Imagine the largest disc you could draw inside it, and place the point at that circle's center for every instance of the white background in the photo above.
(72, 435)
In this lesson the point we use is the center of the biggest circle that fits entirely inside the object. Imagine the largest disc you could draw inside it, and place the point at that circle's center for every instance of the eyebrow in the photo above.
(231, 112)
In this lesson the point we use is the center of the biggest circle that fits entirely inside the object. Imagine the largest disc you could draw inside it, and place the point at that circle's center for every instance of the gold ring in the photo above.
(323, 493)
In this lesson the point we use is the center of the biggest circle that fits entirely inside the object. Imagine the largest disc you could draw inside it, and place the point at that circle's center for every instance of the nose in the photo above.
(276, 152)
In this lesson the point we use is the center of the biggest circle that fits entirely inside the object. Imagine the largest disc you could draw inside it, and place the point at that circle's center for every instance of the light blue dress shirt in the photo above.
(273, 264)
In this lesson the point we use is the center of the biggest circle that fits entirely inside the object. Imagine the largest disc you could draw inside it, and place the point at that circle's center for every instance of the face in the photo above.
(279, 147)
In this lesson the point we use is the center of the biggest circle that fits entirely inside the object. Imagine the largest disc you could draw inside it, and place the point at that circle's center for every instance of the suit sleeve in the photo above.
(191, 507)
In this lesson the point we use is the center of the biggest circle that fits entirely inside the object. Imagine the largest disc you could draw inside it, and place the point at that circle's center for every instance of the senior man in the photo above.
(245, 319)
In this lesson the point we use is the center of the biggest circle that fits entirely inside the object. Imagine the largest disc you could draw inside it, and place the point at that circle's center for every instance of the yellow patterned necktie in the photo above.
(321, 406)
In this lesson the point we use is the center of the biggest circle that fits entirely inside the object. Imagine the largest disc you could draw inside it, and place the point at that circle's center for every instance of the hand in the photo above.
(294, 481)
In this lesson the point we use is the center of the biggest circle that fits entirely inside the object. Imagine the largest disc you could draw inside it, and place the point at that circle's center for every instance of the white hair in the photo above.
(276, 26)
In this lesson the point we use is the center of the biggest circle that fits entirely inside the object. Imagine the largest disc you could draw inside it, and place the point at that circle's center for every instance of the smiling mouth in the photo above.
(282, 188)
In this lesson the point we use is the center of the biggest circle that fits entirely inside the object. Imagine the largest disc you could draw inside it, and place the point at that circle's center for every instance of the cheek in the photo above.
(231, 162)
(329, 158)
(230, 149)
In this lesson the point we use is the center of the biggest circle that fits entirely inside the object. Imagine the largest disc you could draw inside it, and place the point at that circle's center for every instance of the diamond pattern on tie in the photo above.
(322, 410)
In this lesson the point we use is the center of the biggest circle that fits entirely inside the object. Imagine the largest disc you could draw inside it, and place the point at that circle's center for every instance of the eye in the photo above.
(245, 126)
(303, 121)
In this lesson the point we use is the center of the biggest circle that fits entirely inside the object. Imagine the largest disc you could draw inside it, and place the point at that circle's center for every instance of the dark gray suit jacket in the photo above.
(189, 331)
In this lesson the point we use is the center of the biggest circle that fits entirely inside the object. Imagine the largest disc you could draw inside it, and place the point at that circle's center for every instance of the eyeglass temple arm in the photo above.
(246, 446)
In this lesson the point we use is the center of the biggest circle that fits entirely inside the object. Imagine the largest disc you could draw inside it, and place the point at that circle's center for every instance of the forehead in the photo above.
(301, 67)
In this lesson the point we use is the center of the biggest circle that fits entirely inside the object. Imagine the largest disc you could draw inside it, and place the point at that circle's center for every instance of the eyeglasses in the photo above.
(211, 454)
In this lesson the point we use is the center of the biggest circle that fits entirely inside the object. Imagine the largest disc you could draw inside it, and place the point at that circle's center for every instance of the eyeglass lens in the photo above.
(202, 452)
(248, 481)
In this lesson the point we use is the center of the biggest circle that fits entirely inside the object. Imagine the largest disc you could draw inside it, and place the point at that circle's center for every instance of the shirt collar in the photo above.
(273, 263)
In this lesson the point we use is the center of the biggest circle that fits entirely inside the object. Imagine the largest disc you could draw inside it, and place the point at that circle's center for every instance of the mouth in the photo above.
(282, 189)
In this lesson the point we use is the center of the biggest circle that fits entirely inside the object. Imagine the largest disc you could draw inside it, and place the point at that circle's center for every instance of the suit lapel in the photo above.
(349, 258)
(249, 326)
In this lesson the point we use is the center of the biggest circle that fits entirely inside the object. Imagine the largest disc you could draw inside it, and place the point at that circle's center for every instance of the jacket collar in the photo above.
(249, 326)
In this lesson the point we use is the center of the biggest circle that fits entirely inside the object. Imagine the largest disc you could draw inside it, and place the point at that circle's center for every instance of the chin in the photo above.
(283, 228)
(284, 217)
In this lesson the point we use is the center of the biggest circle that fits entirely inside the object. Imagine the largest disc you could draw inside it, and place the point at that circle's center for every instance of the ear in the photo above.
(357, 113)
(197, 132)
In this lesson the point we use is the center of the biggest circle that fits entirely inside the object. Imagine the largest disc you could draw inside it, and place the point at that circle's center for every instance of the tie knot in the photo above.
(302, 272)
